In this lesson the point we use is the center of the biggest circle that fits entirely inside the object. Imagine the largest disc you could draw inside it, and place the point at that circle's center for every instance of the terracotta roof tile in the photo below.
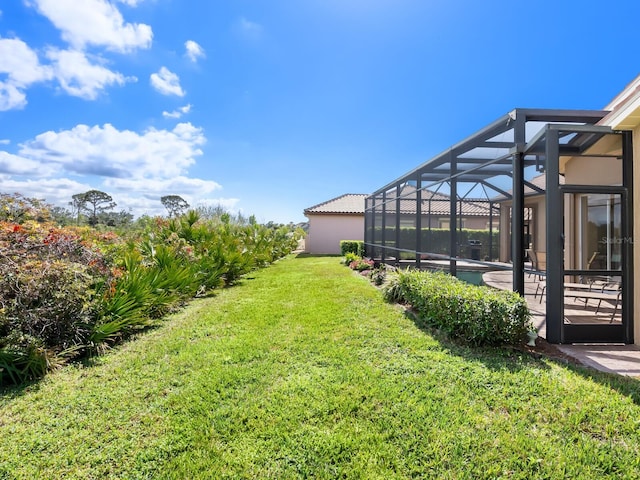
(349, 203)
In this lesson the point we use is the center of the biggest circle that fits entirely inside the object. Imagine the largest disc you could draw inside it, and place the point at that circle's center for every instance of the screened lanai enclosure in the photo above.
(542, 197)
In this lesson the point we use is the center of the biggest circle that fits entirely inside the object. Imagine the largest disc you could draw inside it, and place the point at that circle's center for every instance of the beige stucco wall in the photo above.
(593, 171)
(476, 223)
(326, 231)
(538, 227)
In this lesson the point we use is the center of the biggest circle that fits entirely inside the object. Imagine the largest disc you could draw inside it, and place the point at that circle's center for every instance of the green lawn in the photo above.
(304, 372)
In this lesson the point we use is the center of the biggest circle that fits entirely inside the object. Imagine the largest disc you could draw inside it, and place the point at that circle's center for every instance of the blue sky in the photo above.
(269, 107)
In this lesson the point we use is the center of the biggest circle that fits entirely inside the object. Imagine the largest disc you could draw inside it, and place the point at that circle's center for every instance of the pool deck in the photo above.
(612, 358)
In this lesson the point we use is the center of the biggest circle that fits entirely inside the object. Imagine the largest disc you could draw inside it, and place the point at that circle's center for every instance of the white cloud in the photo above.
(167, 83)
(193, 51)
(5, 141)
(108, 152)
(57, 191)
(137, 196)
(20, 63)
(80, 78)
(11, 97)
(248, 29)
(16, 165)
(177, 113)
(154, 188)
(20, 68)
(95, 22)
(227, 203)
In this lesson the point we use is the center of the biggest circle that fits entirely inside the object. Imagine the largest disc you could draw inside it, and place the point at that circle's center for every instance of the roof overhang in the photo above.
(624, 108)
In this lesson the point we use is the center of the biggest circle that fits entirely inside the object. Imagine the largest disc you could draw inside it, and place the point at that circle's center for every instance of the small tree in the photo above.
(76, 205)
(63, 216)
(175, 205)
(93, 202)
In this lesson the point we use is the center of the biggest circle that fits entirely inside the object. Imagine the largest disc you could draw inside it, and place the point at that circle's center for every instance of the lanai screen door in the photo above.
(594, 287)
(589, 225)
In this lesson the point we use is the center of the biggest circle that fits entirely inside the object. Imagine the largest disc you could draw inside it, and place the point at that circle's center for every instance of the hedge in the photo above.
(352, 246)
(436, 240)
(475, 315)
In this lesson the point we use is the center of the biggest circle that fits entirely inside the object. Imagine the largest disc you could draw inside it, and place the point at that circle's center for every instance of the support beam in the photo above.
(397, 224)
(491, 231)
(517, 225)
(367, 226)
(384, 225)
(453, 219)
(506, 194)
(517, 208)
(555, 254)
(627, 229)
(418, 221)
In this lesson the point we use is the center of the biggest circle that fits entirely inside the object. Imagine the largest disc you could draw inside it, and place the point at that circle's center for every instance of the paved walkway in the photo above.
(617, 358)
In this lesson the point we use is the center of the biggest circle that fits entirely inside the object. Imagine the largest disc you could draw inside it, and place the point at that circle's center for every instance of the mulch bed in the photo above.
(549, 350)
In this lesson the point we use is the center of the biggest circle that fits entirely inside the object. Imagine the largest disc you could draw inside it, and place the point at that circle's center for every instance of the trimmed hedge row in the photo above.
(436, 240)
(352, 246)
(472, 314)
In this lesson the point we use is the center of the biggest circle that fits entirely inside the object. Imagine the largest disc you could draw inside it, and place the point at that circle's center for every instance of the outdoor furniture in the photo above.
(608, 295)
(537, 259)
(541, 288)
(610, 292)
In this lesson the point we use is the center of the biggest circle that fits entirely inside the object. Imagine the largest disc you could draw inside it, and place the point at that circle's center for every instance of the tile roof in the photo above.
(349, 203)
(437, 204)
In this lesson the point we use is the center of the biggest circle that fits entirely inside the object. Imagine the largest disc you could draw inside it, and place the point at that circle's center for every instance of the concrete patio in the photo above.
(613, 358)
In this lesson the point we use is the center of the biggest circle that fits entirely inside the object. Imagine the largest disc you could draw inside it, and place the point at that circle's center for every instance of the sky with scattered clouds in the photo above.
(271, 107)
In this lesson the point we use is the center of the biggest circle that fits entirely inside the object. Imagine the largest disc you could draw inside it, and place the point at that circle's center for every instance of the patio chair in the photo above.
(592, 285)
(609, 294)
(535, 264)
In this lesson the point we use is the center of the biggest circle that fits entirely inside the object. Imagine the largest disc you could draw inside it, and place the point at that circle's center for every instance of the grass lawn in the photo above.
(304, 372)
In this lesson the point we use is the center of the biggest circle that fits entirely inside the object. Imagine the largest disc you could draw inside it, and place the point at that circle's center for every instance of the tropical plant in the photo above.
(73, 291)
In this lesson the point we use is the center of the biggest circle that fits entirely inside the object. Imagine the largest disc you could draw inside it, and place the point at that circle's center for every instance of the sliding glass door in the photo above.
(600, 231)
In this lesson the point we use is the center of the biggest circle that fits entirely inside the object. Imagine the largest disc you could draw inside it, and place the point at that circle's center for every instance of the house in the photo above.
(341, 218)
(534, 218)
(566, 182)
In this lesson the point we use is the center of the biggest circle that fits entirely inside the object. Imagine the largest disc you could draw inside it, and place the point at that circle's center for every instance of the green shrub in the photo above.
(77, 290)
(436, 240)
(475, 315)
(350, 257)
(48, 281)
(352, 246)
(23, 358)
(378, 275)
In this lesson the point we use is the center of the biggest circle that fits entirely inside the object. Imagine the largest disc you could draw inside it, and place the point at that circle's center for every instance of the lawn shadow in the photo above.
(10, 392)
(514, 359)
(316, 255)
(495, 358)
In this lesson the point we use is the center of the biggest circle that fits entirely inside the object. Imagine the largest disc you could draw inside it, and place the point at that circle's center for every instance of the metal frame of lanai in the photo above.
(497, 167)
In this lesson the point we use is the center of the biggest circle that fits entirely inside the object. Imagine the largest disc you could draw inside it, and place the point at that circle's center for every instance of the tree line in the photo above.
(95, 207)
